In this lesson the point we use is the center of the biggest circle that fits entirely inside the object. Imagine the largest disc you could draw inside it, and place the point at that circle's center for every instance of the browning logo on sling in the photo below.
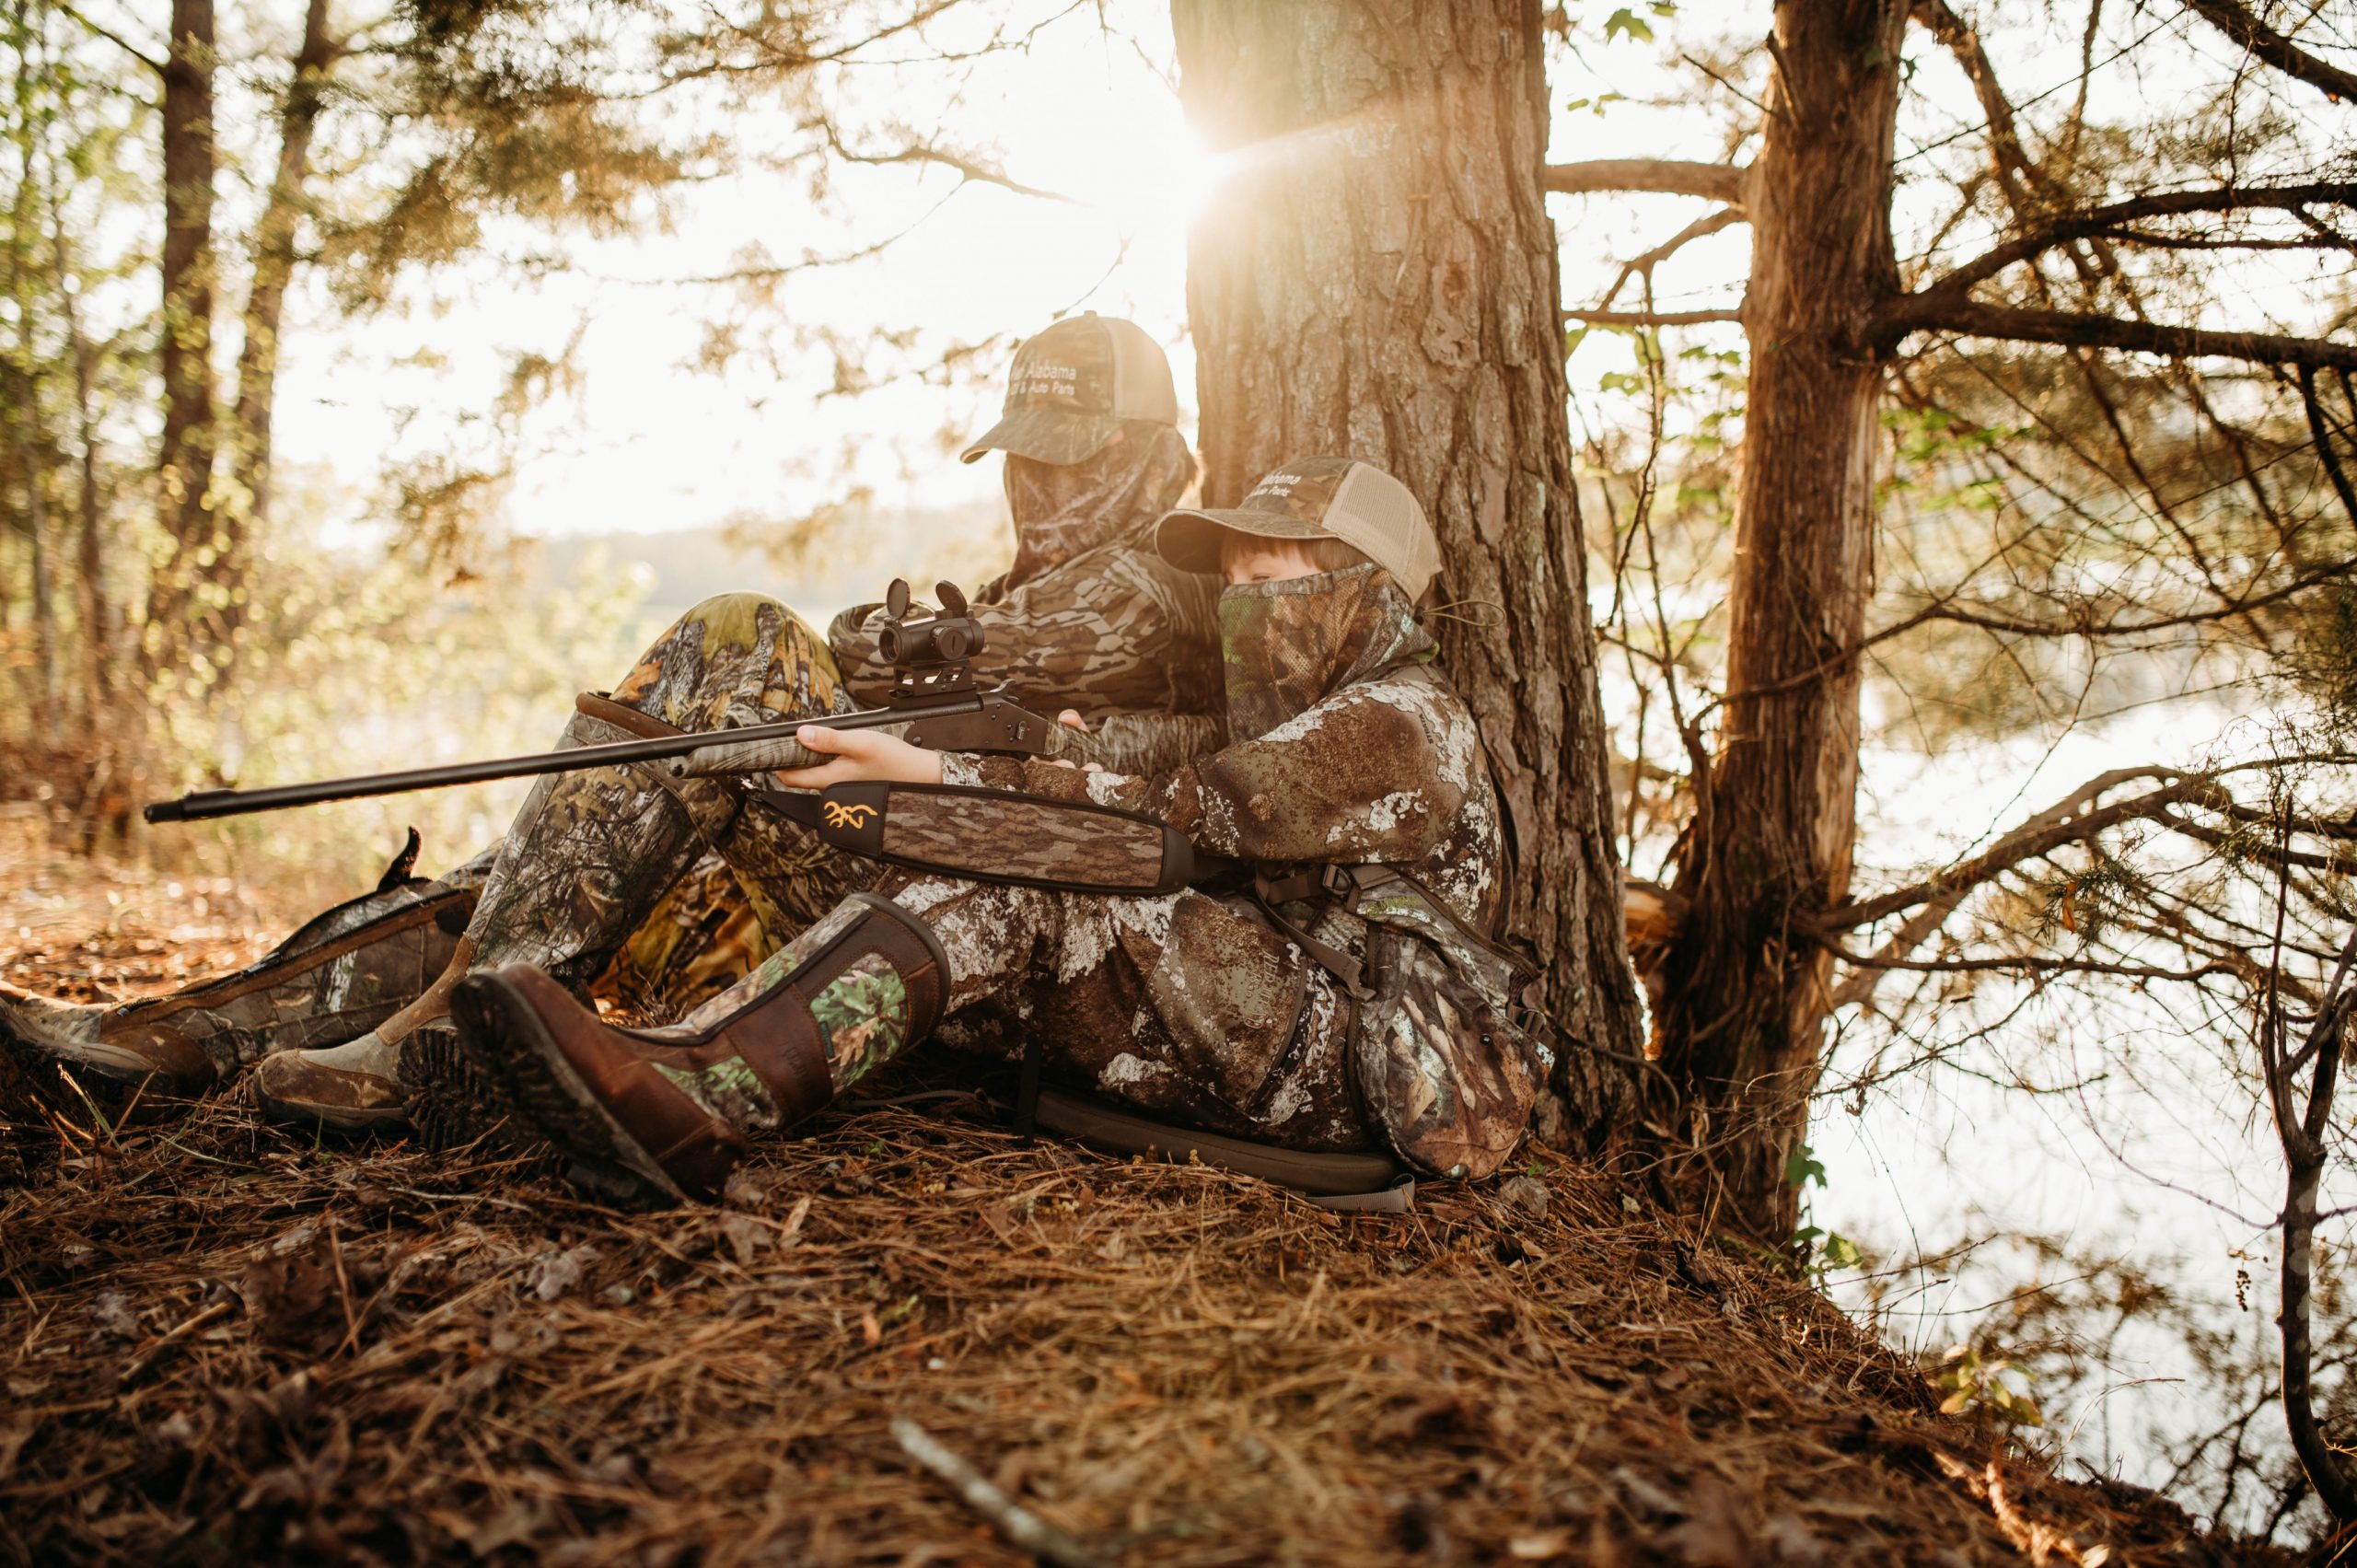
(841, 816)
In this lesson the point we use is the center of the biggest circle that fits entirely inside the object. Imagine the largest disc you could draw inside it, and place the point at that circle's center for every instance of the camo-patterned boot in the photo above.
(343, 973)
(588, 855)
(667, 1112)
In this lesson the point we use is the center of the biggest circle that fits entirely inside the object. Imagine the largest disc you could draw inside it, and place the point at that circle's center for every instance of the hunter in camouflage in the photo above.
(1324, 1012)
(617, 880)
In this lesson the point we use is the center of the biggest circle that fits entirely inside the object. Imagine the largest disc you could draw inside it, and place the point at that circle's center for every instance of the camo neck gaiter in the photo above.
(1065, 509)
(1286, 644)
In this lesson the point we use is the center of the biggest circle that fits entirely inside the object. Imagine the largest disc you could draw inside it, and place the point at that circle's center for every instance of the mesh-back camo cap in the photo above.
(1074, 384)
(1312, 498)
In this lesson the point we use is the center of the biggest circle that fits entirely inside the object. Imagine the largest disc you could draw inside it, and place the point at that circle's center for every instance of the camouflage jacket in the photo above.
(1116, 632)
(1386, 771)
(1090, 617)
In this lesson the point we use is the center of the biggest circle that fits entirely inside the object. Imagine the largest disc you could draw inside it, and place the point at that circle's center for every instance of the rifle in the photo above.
(934, 696)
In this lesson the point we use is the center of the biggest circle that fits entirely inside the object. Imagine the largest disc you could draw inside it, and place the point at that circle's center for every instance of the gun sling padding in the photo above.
(994, 835)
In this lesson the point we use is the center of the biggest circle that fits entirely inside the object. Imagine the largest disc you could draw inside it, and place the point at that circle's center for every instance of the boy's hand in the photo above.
(859, 755)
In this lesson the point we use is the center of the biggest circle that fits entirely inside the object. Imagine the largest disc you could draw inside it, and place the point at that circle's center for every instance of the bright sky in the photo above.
(652, 443)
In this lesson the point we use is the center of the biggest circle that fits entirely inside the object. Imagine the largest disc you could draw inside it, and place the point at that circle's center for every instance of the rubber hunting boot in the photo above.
(669, 1112)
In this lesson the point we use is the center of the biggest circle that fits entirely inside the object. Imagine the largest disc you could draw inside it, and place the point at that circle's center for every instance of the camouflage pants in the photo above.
(1187, 1006)
(665, 890)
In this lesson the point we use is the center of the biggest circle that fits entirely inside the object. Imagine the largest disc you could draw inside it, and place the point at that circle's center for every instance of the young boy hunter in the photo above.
(1355, 1002)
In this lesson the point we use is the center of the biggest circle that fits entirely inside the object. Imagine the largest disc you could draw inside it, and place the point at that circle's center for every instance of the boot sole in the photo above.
(544, 1093)
(452, 1096)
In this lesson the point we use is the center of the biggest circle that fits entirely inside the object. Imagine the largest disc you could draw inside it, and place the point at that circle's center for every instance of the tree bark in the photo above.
(26, 426)
(91, 604)
(1747, 982)
(184, 457)
(1379, 281)
(274, 266)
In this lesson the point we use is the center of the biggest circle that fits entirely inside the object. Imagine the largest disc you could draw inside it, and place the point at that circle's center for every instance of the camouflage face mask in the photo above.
(1064, 509)
(1287, 644)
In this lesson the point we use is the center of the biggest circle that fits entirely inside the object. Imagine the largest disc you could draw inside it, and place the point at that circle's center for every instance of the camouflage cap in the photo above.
(1315, 499)
(1072, 387)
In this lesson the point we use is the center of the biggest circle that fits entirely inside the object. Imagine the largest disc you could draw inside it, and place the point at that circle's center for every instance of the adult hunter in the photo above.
(655, 894)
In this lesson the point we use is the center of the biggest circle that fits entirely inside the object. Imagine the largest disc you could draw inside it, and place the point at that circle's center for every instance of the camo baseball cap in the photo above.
(1074, 384)
(1315, 499)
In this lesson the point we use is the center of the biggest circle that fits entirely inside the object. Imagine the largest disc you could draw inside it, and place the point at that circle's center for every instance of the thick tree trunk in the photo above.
(274, 265)
(1747, 995)
(1379, 281)
(184, 457)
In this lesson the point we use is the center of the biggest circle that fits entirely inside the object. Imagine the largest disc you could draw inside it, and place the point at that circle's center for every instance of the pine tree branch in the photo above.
(1719, 181)
(2266, 45)
(1944, 311)
(2103, 220)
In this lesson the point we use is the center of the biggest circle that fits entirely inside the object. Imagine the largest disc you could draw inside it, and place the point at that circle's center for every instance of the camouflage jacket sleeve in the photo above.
(1114, 629)
(1364, 775)
(1142, 745)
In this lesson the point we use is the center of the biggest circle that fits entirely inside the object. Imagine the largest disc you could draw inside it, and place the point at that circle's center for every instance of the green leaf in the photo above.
(1802, 1167)
(1624, 20)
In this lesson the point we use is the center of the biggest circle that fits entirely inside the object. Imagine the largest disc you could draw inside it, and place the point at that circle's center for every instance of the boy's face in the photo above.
(1245, 559)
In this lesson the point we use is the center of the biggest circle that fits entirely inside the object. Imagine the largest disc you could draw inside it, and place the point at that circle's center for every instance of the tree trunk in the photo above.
(26, 424)
(273, 265)
(91, 604)
(1747, 994)
(1379, 281)
(184, 457)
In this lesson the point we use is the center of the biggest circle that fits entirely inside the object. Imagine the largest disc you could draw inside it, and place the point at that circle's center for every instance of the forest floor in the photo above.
(221, 1341)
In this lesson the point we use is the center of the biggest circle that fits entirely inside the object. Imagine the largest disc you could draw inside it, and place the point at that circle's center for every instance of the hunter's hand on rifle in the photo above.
(861, 755)
(1070, 718)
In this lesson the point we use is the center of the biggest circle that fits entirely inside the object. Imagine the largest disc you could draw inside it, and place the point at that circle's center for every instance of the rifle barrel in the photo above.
(205, 804)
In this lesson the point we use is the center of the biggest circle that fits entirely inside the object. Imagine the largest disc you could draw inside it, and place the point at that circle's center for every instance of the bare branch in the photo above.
(2105, 220)
(116, 39)
(2265, 44)
(1652, 318)
(2074, 818)
(2320, 429)
(1967, 318)
(2304, 1160)
(1644, 264)
(2015, 171)
(2031, 963)
(968, 170)
(1719, 181)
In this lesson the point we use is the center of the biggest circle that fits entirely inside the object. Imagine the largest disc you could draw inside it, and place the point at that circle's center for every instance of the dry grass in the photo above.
(222, 1343)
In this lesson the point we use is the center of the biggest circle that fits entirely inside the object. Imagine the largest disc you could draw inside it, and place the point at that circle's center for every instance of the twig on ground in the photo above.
(1019, 1524)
